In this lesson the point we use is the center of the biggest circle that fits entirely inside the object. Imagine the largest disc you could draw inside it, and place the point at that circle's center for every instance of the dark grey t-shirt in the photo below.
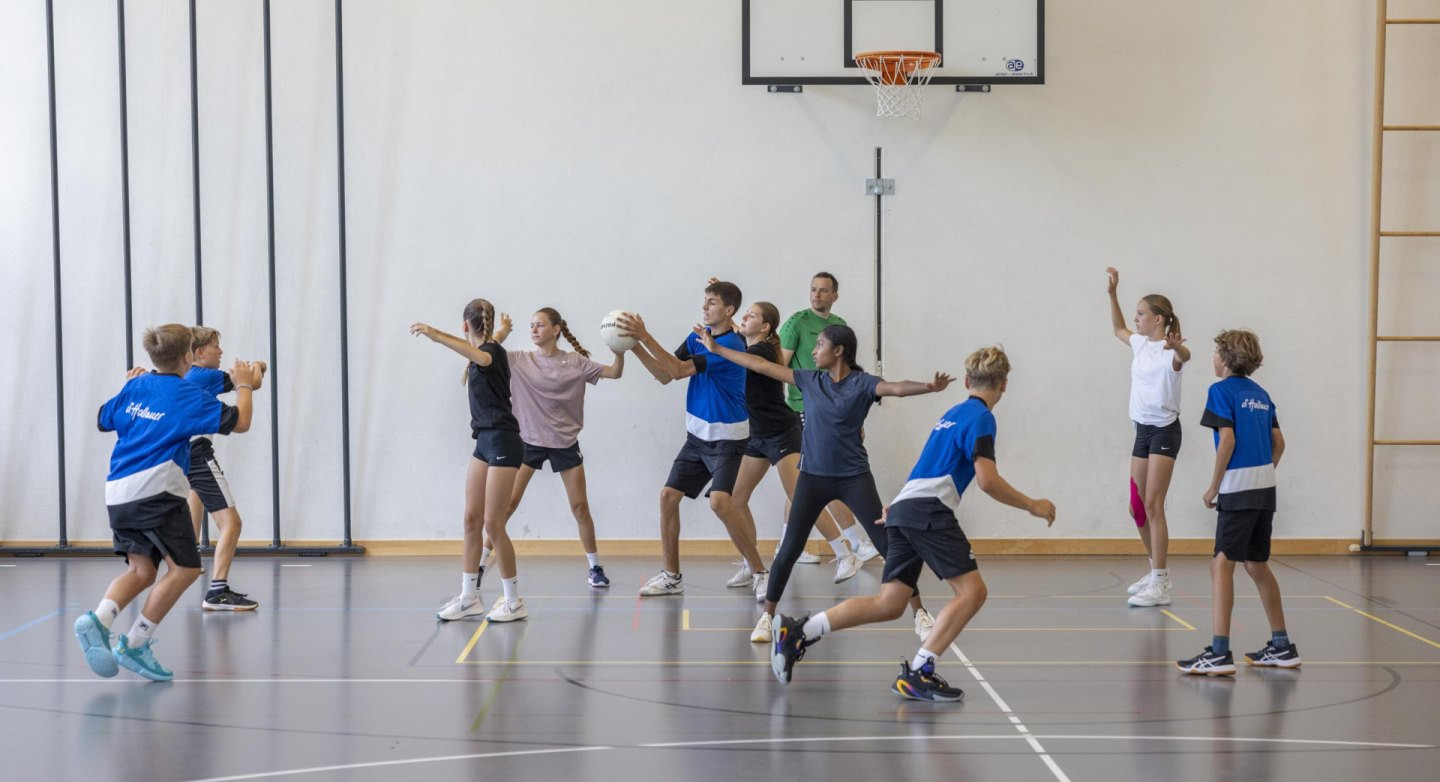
(834, 413)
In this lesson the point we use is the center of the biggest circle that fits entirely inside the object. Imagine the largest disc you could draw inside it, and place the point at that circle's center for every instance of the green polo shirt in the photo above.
(799, 334)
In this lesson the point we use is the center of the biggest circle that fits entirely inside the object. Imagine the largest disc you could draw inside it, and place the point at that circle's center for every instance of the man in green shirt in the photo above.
(797, 342)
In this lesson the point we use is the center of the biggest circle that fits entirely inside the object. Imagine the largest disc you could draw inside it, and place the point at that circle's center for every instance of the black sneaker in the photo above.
(1208, 663)
(925, 685)
(228, 600)
(598, 578)
(789, 647)
(1274, 657)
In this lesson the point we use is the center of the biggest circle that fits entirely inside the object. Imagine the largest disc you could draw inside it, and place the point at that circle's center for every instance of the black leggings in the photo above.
(812, 494)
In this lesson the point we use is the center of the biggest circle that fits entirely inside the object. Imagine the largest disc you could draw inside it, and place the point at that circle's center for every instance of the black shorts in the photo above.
(941, 544)
(174, 538)
(1244, 535)
(701, 462)
(208, 481)
(561, 459)
(1157, 440)
(499, 447)
(776, 447)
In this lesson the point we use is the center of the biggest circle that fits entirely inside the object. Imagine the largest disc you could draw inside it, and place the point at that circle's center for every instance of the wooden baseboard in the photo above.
(719, 548)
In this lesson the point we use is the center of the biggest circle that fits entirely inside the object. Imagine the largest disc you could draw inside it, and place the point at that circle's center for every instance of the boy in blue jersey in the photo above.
(155, 415)
(209, 489)
(1248, 446)
(717, 425)
(922, 529)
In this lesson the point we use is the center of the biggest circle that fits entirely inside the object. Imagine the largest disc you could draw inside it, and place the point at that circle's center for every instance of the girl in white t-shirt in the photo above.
(1159, 356)
(547, 393)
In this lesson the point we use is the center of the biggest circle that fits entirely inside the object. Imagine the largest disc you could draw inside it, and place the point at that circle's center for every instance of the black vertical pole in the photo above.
(879, 300)
(195, 190)
(63, 539)
(344, 314)
(125, 187)
(270, 237)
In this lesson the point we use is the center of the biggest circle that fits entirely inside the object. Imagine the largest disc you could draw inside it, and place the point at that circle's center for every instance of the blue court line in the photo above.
(22, 628)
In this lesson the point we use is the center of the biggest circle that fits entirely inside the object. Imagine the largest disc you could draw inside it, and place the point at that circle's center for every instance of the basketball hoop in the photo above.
(899, 78)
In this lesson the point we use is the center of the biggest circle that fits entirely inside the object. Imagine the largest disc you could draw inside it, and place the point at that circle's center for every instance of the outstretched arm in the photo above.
(615, 370)
(913, 387)
(651, 364)
(1176, 342)
(505, 327)
(245, 376)
(634, 326)
(990, 482)
(1117, 318)
(751, 362)
(453, 342)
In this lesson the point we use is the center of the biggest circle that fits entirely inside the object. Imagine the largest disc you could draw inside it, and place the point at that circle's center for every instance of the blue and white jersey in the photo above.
(947, 463)
(155, 415)
(715, 406)
(214, 381)
(1240, 403)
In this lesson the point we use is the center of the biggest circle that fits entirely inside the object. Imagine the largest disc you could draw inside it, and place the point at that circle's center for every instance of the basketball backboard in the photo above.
(814, 41)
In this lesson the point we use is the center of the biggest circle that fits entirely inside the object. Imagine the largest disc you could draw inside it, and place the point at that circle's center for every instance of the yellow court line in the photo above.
(473, 639)
(1166, 612)
(685, 619)
(1375, 618)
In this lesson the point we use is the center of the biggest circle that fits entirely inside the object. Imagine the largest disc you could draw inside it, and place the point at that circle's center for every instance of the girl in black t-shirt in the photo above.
(497, 458)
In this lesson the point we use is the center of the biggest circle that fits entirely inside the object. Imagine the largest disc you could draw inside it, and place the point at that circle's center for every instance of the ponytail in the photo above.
(480, 314)
(552, 315)
(771, 315)
(844, 338)
(1161, 306)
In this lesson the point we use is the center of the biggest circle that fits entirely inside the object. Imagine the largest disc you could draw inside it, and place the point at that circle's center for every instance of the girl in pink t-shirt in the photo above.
(547, 393)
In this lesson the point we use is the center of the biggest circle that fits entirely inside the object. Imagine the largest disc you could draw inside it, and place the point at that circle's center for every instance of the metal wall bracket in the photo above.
(786, 88)
(972, 88)
(879, 187)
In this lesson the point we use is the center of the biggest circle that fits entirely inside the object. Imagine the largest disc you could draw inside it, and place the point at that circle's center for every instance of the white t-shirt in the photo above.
(1154, 383)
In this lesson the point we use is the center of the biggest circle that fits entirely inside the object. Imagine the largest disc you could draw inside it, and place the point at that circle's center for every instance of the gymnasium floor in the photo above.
(344, 674)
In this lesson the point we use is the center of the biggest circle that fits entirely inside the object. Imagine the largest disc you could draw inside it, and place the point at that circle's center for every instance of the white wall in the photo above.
(1219, 153)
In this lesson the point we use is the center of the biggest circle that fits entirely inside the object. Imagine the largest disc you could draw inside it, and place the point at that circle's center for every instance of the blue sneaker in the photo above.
(598, 577)
(95, 643)
(141, 660)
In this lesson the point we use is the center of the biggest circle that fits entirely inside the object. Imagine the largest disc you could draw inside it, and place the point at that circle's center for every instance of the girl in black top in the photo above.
(497, 458)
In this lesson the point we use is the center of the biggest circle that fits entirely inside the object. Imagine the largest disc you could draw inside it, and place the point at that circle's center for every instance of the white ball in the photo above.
(610, 332)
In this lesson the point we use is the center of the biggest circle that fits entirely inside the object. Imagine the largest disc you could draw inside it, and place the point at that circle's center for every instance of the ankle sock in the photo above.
(838, 546)
(511, 587)
(142, 631)
(1279, 639)
(217, 585)
(106, 612)
(921, 657)
(816, 626)
(852, 534)
(1220, 644)
(470, 584)
(593, 559)
(1160, 573)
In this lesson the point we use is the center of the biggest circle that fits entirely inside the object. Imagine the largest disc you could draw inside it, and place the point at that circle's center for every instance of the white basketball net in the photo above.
(909, 72)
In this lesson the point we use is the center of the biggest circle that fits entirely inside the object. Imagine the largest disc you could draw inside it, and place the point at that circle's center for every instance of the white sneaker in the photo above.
(924, 623)
(459, 608)
(806, 558)
(1138, 585)
(846, 567)
(508, 610)
(1155, 593)
(866, 551)
(761, 633)
(742, 578)
(760, 582)
(662, 584)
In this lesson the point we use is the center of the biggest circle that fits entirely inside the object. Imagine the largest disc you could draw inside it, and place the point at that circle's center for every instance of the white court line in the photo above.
(382, 763)
(295, 566)
(1014, 720)
(142, 682)
(1057, 736)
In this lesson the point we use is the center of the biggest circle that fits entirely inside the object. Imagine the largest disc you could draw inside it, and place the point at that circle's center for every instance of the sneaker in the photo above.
(866, 551)
(806, 558)
(761, 633)
(788, 647)
(507, 610)
(1208, 663)
(663, 583)
(1271, 656)
(597, 577)
(228, 600)
(1155, 593)
(846, 567)
(459, 608)
(743, 577)
(924, 623)
(95, 643)
(760, 583)
(925, 685)
(1138, 585)
(141, 660)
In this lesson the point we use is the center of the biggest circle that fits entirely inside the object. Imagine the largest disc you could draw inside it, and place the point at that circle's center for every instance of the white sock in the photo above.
(511, 587)
(852, 534)
(921, 657)
(106, 612)
(1159, 573)
(816, 626)
(594, 559)
(838, 546)
(469, 585)
(142, 631)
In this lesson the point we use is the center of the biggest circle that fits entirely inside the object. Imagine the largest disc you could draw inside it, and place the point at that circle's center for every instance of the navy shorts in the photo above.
(561, 459)
(702, 462)
(1244, 535)
(499, 447)
(174, 537)
(776, 447)
(208, 480)
(927, 535)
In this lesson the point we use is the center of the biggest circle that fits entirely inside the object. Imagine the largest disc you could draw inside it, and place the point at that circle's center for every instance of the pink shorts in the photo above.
(1137, 505)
